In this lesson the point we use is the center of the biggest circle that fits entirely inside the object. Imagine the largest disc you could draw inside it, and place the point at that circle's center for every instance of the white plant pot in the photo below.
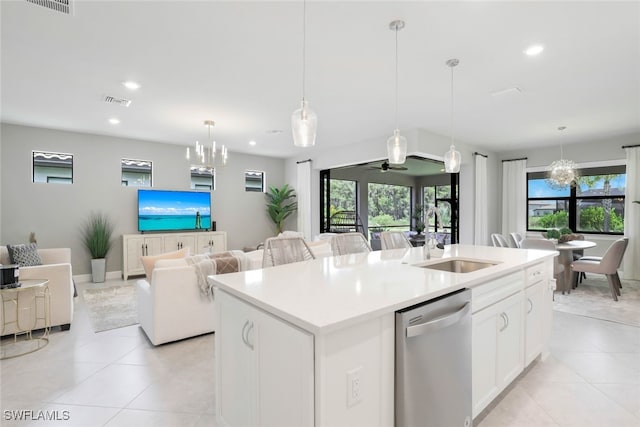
(98, 270)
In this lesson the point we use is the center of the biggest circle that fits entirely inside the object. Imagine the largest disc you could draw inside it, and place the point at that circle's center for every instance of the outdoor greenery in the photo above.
(592, 218)
(96, 235)
(279, 205)
(342, 195)
(418, 219)
(389, 205)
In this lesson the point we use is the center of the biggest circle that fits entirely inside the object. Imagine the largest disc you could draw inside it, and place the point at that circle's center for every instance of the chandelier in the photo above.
(205, 154)
(562, 172)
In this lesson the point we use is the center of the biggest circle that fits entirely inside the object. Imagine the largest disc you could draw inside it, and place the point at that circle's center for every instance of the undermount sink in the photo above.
(458, 265)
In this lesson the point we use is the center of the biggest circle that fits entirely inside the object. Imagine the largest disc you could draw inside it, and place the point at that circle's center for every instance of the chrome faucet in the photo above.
(432, 210)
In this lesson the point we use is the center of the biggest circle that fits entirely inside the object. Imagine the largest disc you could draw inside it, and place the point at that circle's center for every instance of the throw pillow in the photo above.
(24, 255)
(149, 261)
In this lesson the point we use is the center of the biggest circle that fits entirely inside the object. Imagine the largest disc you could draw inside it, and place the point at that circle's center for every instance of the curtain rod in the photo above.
(480, 154)
(513, 160)
(631, 146)
(303, 161)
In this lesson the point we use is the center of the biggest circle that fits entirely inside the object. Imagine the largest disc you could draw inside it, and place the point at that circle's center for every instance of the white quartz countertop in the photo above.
(327, 294)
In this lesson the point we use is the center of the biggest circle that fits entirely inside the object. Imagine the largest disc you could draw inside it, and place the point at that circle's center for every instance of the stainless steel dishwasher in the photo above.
(433, 363)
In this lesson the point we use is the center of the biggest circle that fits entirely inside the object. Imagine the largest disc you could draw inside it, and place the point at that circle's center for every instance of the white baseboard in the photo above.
(87, 278)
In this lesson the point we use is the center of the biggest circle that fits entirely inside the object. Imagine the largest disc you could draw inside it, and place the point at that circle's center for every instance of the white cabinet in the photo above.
(257, 354)
(498, 338)
(535, 307)
(135, 246)
(175, 242)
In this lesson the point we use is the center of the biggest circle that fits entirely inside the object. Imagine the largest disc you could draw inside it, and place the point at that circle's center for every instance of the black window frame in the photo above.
(573, 198)
(248, 178)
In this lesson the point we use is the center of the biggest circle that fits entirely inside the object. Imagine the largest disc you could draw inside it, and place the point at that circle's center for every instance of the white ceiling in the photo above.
(239, 63)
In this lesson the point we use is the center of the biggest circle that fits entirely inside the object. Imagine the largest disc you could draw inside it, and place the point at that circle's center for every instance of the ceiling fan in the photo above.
(385, 166)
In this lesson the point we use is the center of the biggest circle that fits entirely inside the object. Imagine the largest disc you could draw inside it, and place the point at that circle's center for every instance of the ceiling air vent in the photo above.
(64, 6)
(118, 101)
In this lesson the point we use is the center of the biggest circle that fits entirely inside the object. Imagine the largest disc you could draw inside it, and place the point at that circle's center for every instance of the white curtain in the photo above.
(514, 197)
(481, 226)
(304, 199)
(631, 265)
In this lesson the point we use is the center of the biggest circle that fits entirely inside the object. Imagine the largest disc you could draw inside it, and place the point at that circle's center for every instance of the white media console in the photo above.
(135, 246)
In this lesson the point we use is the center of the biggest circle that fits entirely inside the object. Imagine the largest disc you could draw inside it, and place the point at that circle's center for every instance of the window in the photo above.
(254, 181)
(594, 205)
(440, 197)
(52, 167)
(343, 195)
(203, 178)
(136, 173)
(389, 206)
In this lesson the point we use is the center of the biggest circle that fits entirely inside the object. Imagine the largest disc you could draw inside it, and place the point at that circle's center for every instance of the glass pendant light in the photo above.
(397, 144)
(304, 122)
(562, 172)
(452, 158)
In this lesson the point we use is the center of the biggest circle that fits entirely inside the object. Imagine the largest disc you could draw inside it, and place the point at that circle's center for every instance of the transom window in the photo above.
(254, 181)
(54, 168)
(594, 205)
(203, 178)
(136, 173)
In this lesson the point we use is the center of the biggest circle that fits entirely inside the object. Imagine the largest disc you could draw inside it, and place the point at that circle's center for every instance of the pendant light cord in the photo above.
(452, 138)
(304, 45)
(396, 77)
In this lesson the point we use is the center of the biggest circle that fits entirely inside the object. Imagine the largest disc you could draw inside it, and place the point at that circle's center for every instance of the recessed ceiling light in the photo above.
(252, 143)
(534, 50)
(114, 121)
(131, 85)
(275, 131)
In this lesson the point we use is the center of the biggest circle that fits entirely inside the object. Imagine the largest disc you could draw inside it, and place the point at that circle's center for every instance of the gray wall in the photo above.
(55, 212)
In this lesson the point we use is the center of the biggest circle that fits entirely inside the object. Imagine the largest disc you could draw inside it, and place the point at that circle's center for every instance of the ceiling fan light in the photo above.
(304, 124)
(397, 148)
(452, 160)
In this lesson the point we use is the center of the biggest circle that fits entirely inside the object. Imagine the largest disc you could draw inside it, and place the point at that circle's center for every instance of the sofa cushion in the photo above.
(149, 261)
(24, 255)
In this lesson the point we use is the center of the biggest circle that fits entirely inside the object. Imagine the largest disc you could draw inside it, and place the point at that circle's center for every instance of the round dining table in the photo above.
(566, 257)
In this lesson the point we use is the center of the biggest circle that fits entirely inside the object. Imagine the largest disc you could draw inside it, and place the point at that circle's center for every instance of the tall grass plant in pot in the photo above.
(96, 236)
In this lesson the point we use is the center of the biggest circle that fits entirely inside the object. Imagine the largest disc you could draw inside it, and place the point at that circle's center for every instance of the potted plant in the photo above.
(96, 237)
(280, 206)
(418, 216)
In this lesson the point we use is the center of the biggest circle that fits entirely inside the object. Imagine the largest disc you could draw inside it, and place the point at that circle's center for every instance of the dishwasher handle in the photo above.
(439, 323)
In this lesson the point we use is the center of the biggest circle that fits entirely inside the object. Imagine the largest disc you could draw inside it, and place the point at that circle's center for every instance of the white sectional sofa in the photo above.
(56, 267)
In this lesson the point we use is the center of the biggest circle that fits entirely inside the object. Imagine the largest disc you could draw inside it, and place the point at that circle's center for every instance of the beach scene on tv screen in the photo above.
(173, 210)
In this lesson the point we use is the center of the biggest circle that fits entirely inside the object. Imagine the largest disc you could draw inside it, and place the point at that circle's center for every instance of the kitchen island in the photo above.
(312, 343)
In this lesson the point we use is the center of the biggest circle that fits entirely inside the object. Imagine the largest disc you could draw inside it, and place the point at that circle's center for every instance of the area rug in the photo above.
(592, 298)
(112, 307)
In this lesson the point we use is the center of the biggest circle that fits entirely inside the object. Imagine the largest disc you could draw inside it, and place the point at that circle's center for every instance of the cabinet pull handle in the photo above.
(249, 329)
(246, 329)
(146, 249)
(506, 321)
(530, 305)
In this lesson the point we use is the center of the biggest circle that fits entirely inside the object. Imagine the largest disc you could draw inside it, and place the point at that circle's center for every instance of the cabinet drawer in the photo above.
(496, 290)
(535, 274)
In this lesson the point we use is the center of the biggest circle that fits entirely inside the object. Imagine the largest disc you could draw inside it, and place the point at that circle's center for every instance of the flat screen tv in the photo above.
(168, 210)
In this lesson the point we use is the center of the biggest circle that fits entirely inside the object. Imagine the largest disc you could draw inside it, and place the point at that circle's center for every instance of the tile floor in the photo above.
(117, 378)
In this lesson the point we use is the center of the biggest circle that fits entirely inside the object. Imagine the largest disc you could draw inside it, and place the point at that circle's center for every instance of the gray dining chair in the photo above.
(349, 243)
(285, 250)
(499, 240)
(558, 268)
(516, 239)
(394, 240)
(607, 265)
